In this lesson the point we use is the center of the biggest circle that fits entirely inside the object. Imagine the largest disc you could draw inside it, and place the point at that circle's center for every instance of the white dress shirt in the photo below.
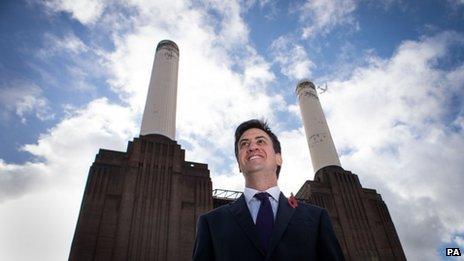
(254, 203)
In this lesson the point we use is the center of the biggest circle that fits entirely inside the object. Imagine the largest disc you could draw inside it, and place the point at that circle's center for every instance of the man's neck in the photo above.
(260, 182)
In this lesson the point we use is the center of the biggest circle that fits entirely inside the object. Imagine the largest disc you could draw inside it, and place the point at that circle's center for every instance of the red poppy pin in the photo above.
(292, 201)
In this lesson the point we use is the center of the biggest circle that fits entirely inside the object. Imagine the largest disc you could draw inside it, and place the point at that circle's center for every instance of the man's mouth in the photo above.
(254, 157)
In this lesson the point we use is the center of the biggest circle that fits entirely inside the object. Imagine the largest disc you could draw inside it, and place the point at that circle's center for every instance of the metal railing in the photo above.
(226, 194)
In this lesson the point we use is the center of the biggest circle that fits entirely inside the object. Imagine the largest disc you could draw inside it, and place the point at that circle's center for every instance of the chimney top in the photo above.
(304, 83)
(166, 43)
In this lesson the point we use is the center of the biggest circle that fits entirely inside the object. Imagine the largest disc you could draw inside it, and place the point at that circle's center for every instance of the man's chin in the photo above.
(253, 170)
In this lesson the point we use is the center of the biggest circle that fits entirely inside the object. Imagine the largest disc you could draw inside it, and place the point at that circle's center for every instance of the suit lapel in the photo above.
(284, 214)
(241, 213)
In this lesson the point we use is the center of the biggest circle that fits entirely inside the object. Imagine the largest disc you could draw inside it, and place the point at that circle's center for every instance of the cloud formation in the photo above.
(292, 58)
(400, 124)
(86, 11)
(63, 155)
(319, 17)
(23, 99)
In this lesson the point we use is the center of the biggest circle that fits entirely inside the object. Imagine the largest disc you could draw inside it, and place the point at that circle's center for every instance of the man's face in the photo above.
(255, 152)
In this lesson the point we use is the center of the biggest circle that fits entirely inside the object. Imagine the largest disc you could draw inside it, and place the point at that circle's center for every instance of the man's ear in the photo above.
(279, 159)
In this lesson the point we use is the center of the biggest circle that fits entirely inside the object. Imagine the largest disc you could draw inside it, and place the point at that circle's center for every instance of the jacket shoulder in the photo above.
(310, 207)
(310, 210)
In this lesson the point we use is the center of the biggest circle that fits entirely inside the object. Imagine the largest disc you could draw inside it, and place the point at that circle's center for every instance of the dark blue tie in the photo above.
(265, 219)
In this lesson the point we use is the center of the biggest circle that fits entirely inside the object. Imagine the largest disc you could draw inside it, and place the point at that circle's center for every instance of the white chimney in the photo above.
(159, 116)
(321, 146)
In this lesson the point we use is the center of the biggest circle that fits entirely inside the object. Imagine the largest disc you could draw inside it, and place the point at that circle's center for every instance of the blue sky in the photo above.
(74, 78)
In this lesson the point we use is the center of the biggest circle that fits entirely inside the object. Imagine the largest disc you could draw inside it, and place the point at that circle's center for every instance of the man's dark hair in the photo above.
(257, 124)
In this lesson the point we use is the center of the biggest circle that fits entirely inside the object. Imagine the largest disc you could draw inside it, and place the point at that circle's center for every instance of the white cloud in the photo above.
(44, 222)
(233, 30)
(41, 198)
(292, 58)
(69, 44)
(257, 71)
(234, 182)
(396, 119)
(50, 187)
(66, 151)
(82, 63)
(296, 166)
(321, 16)
(85, 11)
(23, 99)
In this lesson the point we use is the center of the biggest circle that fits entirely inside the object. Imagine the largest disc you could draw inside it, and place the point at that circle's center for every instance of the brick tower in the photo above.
(143, 204)
(360, 217)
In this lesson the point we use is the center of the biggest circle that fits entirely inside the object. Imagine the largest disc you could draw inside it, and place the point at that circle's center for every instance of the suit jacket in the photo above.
(301, 233)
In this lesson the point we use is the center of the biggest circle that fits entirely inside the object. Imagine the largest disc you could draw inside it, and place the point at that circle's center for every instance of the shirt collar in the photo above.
(249, 193)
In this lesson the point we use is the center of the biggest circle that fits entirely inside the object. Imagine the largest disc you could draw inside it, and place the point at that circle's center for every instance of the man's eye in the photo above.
(260, 141)
(243, 144)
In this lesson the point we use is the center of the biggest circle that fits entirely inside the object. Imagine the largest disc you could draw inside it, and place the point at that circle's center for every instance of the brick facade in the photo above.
(141, 204)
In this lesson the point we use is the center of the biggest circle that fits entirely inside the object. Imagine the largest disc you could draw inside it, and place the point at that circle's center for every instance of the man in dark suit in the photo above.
(263, 224)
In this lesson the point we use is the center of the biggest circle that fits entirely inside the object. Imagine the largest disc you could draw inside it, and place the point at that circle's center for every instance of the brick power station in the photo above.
(143, 204)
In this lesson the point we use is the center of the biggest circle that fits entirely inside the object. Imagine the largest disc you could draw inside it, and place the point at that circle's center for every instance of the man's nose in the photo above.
(253, 146)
